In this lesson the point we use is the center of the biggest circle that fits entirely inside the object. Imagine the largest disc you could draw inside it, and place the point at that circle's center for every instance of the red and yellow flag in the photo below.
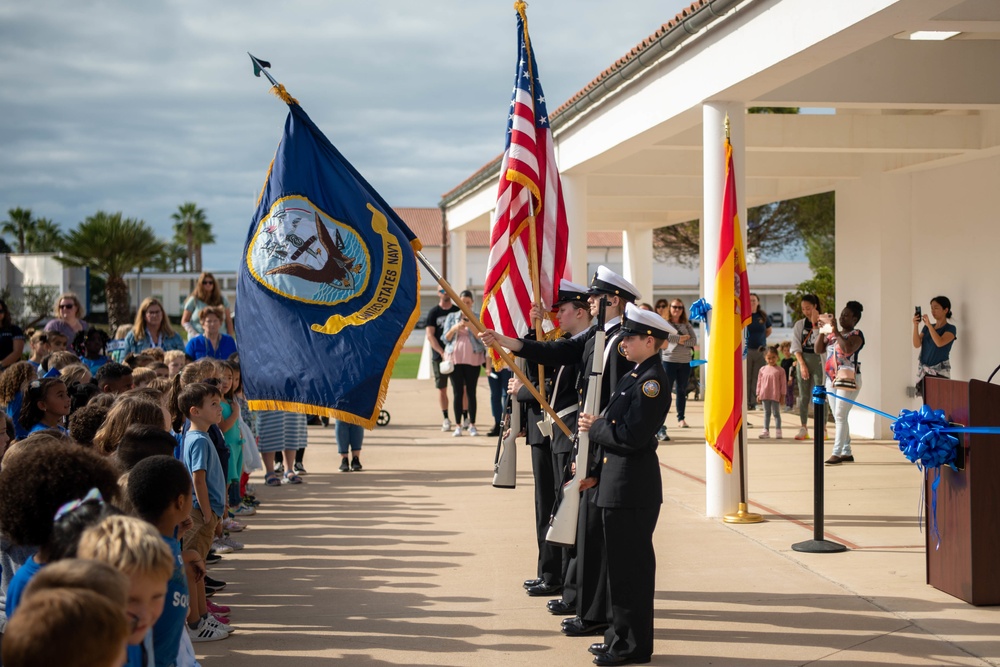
(730, 314)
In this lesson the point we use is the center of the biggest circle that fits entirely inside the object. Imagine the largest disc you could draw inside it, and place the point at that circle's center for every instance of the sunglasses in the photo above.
(207, 282)
(66, 306)
(676, 307)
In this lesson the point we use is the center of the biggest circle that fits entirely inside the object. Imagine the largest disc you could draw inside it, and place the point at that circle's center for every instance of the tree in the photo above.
(174, 255)
(44, 236)
(192, 230)
(112, 246)
(772, 231)
(821, 284)
(33, 306)
(18, 225)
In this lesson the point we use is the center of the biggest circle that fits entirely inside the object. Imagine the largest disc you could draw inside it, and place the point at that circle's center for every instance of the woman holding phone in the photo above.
(468, 354)
(934, 342)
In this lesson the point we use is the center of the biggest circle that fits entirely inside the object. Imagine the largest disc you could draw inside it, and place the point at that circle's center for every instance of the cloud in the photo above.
(139, 107)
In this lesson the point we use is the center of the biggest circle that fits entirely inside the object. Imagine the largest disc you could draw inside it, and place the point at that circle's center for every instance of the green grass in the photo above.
(406, 366)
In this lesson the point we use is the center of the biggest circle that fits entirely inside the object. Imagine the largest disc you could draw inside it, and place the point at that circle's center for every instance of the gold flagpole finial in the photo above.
(727, 127)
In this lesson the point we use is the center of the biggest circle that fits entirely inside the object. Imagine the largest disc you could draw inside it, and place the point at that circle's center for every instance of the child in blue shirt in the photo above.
(201, 404)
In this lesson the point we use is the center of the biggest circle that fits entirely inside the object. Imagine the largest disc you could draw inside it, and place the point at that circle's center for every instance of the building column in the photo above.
(574, 188)
(722, 490)
(459, 270)
(637, 260)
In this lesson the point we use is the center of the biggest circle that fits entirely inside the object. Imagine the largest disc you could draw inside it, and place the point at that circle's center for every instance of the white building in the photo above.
(904, 127)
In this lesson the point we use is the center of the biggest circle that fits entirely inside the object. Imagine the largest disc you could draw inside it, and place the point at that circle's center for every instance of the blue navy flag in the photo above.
(328, 284)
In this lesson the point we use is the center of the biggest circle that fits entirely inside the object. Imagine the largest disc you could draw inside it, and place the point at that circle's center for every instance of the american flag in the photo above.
(529, 184)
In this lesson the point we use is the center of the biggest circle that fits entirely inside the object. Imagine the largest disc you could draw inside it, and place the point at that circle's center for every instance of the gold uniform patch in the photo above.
(651, 388)
(621, 350)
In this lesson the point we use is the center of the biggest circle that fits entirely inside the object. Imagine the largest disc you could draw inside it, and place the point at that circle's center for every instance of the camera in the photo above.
(916, 311)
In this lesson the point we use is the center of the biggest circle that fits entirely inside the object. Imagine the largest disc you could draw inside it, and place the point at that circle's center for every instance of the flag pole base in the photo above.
(742, 516)
(819, 547)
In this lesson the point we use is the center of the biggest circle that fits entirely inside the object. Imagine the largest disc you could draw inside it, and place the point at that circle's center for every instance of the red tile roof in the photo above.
(426, 224)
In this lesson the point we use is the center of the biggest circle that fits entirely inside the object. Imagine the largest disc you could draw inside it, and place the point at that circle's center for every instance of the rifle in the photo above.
(562, 524)
(505, 461)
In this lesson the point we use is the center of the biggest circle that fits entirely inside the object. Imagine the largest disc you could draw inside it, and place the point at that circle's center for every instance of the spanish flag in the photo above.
(730, 314)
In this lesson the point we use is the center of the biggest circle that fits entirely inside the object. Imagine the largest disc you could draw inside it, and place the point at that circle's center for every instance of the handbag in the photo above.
(845, 379)
(447, 365)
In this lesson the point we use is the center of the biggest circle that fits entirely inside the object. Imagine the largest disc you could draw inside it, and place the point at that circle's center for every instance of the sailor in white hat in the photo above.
(629, 491)
(615, 292)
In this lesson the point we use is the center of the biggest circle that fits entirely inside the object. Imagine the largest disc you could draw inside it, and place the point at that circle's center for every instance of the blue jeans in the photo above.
(678, 376)
(498, 392)
(348, 435)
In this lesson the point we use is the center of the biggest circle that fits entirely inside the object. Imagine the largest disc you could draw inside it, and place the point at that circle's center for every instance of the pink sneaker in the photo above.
(217, 608)
(777, 434)
(764, 435)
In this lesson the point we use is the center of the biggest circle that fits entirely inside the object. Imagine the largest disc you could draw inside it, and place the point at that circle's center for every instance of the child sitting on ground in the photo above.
(133, 547)
(175, 361)
(113, 378)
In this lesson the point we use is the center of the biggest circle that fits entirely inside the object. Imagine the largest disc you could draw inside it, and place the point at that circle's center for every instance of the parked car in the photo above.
(777, 320)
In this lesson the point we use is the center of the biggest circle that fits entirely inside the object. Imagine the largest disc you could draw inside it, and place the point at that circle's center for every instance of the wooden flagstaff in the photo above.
(496, 346)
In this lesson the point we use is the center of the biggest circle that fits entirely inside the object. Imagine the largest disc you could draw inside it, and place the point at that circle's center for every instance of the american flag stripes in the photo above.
(529, 184)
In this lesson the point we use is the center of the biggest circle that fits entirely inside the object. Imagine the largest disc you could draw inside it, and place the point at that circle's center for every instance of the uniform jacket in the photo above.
(629, 471)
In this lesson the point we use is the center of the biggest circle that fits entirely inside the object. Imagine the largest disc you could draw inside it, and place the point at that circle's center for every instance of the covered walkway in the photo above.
(419, 561)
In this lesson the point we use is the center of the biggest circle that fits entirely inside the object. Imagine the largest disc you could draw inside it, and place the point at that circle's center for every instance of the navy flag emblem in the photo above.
(651, 388)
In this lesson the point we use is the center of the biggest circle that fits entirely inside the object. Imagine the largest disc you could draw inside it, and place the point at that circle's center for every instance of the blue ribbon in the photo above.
(924, 438)
(698, 312)
(694, 363)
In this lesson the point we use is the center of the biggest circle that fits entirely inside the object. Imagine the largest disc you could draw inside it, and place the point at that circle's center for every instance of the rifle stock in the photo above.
(562, 525)
(505, 461)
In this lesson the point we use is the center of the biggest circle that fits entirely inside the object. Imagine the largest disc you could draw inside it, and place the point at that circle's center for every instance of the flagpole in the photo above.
(509, 360)
(742, 515)
(536, 289)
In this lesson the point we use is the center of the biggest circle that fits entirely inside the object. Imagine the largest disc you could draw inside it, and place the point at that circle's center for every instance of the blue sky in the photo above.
(138, 107)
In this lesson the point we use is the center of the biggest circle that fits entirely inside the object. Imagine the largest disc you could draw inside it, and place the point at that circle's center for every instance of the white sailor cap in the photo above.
(607, 281)
(645, 323)
(571, 292)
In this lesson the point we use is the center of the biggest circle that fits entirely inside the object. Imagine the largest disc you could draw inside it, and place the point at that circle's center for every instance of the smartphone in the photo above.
(916, 311)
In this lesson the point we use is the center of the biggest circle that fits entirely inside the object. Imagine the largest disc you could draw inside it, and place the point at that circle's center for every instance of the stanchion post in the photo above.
(819, 544)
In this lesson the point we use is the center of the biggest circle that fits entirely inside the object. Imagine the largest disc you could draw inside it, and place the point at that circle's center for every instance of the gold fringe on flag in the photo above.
(278, 90)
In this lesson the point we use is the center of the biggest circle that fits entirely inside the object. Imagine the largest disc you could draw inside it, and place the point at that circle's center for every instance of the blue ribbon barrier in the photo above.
(699, 312)
(924, 437)
(694, 363)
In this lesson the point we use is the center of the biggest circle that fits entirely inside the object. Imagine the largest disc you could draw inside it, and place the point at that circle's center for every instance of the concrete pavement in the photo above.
(417, 560)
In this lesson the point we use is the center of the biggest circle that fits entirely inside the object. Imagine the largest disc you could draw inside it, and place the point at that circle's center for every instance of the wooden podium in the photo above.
(968, 501)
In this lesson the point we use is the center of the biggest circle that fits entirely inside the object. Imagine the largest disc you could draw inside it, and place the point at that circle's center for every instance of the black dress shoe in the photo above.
(612, 659)
(528, 583)
(494, 432)
(560, 607)
(578, 627)
(544, 589)
(599, 649)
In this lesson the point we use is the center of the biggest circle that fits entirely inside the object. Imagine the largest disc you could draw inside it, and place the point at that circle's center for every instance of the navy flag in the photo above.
(328, 284)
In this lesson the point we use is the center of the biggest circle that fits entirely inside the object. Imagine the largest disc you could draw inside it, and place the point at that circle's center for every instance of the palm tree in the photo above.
(202, 236)
(173, 255)
(44, 236)
(192, 230)
(112, 246)
(18, 225)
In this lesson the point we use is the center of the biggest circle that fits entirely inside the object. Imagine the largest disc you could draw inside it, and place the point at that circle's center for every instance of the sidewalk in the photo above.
(417, 560)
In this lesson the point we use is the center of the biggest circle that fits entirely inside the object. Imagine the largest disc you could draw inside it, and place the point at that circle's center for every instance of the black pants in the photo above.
(591, 563)
(463, 379)
(678, 376)
(549, 556)
(560, 466)
(628, 537)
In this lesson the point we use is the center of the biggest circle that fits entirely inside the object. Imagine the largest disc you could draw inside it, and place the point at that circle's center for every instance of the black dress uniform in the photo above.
(629, 495)
(550, 557)
(590, 566)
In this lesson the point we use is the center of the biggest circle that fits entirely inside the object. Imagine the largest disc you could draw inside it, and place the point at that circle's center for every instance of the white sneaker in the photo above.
(446, 425)
(472, 430)
(764, 435)
(221, 547)
(211, 619)
(457, 433)
(465, 424)
(206, 632)
(230, 542)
